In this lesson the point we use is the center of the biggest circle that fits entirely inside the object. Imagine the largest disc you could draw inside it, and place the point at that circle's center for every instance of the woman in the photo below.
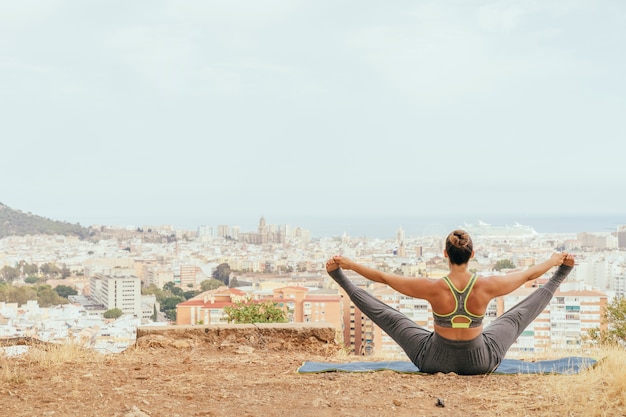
(459, 301)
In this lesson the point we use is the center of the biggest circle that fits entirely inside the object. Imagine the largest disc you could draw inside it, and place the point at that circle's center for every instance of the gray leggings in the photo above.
(433, 353)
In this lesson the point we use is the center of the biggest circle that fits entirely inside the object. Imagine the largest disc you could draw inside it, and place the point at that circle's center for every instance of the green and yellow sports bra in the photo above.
(468, 319)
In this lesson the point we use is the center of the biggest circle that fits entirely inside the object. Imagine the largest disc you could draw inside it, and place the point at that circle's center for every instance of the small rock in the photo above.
(245, 350)
(440, 403)
(320, 402)
(181, 344)
(135, 412)
(397, 403)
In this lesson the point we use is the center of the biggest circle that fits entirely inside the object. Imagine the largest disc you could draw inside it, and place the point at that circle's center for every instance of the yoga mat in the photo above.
(567, 365)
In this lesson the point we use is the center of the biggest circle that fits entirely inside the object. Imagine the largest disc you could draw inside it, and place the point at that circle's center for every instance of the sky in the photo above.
(202, 112)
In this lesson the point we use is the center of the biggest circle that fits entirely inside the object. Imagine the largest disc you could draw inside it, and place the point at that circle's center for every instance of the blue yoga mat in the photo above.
(567, 365)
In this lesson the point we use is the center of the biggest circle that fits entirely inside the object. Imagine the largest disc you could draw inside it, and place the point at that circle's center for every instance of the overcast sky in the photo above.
(201, 109)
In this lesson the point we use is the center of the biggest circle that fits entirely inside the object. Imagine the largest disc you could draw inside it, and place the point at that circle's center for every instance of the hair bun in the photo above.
(459, 247)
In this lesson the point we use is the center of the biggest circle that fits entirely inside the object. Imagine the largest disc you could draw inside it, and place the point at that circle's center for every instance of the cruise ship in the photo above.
(487, 230)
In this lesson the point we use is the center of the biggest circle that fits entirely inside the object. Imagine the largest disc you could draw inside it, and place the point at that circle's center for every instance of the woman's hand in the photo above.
(557, 258)
(569, 260)
(343, 262)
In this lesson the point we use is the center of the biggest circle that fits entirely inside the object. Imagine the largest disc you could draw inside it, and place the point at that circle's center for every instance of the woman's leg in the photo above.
(504, 330)
(404, 331)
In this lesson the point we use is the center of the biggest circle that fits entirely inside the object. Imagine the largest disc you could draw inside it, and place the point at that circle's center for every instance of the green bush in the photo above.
(614, 321)
(113, 313)
(251, 312)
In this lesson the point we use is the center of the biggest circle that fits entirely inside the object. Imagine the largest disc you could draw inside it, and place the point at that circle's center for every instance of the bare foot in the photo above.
(331, 265)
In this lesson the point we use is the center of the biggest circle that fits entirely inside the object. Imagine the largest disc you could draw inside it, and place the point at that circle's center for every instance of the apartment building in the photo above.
(621, 236)
(190, 276)
(562, 324)
(205, 233)
(357, 331)
(157, 275)
(416, 309)
(300, 306)
(123, 292)
(223, 230)
(149, 308)
(208, 307)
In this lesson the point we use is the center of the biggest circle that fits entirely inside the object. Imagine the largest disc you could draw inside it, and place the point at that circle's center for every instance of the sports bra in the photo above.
(468, 319)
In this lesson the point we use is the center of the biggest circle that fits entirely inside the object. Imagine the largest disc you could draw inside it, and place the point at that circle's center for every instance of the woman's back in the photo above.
(459, 306)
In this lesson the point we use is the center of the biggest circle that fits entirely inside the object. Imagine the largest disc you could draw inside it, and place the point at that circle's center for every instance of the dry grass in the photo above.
(45, 356)
(159, 378)
(600, 391)
(596, 392)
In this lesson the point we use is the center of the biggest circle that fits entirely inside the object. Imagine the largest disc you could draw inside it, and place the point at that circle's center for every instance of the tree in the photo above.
(29, 269)
(210, 284)
(8, 273)
(504, 264)
(190, 294)
(614, 319)
(47, 297)
(222, 273)
(173, 289)
(65, 272)
(50, 269)
(168, 297)
(113, 313)
(65, 291)
(31, 279)
(43, 294)
(251, 312)
(153, 290)
(168, 306)
(20, 295)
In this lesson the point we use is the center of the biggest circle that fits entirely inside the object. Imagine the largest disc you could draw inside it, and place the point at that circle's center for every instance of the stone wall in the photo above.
(310, 337)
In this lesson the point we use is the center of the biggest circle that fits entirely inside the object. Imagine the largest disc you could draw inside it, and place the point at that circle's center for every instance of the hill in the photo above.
(170, 376)
(17, 223)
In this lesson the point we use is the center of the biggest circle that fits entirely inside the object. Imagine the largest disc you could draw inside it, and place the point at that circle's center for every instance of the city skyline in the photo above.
(163, 112)
(378, 227)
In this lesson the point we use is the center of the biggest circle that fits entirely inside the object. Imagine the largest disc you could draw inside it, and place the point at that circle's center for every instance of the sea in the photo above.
(387, 227)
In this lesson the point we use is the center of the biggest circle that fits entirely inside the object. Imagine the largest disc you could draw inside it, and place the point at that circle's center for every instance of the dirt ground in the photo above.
(166, 377)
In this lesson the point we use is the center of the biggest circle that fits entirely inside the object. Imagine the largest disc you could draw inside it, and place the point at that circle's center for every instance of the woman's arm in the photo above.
(499, 285)
(414, 287)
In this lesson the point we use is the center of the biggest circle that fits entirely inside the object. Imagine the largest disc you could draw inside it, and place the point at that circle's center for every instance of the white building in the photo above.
(118, 292)
(149, 307)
